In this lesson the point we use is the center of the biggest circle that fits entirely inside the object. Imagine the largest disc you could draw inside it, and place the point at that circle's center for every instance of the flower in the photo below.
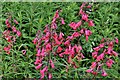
(59, 49)
(18, 33)
(100, 57)
(90, 23)
(109, 63)
(85, 17)
(15, 21)
(104, 73)
(116, 40)
(62, 21)
(51, 63)
(24, 52)
(93, 65)
(94, 54)
(89, 70)
(38, 67)
(14, 29)
(50, 76)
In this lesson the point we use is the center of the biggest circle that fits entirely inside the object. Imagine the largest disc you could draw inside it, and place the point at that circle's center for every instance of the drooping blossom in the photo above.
(100, 57)
(59, 49)
(94, 54)
(52, 64)
(94, 64)
(109, 63)
(116, 40)
(104, 73)
(85, 17)
(38, 67)
(15, 21)
(90, 23)
(50, 76)
(18, 33)
(62, 21)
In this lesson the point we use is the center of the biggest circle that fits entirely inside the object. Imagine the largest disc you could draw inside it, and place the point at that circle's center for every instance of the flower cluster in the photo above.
(9, 34)
(48, 40)
(44, 46)
(84, 18)
(103, 56)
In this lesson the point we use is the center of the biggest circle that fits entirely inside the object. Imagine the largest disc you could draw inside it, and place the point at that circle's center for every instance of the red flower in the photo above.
(90, 23)
(59, 49)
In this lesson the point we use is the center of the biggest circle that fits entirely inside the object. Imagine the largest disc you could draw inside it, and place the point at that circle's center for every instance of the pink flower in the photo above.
(83, 4)
(114, 53)
(116, 40)
(57, 42)
(42, 72)
(93, 65)
(38, 67)
(89, 70)
(51, 63)
(101, 45)
(14, 29)
(89, 6)
(50, 76)
(8, 38)
(72, 25)
(90, 23)
(78, 24)
(38, 52)
(96, 48)
(54, 26)
(24, 52)
(7, 49)
(86, 38)
(104, 73)
(18, 33)
(7, 23)
(85, 17)
(35, 41)
(76, 34)
(62, 21)
(109, 63)
(56, 14)
(88, 32)
(94, 54)
(61, 35)
(48, 47)
(46, 28)
(67, 43)
(100, 57)
(81, 12)
(15, 21)
(59, 49)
